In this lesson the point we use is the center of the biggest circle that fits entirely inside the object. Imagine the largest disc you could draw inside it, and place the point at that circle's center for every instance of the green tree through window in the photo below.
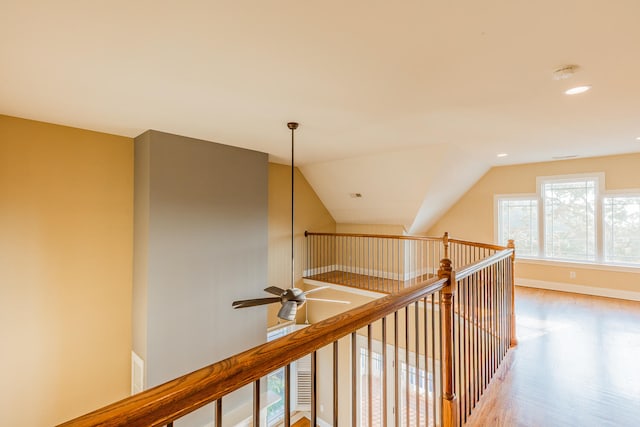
(622, 229)
(570, 218)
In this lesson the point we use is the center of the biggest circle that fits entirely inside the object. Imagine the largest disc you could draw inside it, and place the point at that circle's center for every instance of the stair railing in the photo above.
(420, 356)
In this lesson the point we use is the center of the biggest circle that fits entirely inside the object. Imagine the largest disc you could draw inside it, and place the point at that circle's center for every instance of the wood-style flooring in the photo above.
(303, 422)
(363, 281)
(577, 364)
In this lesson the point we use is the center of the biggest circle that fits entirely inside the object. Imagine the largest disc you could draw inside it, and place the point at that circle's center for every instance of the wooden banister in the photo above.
(478, 245)
(472, 268)
(514, 339)
(380, 236)
(450, 400)
(445, 243)
(400, 237)
(169, 401)
(472, 323)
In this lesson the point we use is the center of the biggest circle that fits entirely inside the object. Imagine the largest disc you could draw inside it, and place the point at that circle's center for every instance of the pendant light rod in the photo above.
(293, 126)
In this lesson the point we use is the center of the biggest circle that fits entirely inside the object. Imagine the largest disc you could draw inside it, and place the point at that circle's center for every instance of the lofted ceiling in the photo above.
(405, 102)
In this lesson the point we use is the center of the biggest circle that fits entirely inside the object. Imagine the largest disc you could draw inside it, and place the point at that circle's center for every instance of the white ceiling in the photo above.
(406, 102)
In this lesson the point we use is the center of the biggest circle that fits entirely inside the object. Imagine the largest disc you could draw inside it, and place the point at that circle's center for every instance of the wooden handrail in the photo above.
(400, 237)
(472, 268)
(167, 402)
(171, 400)
(479, 245)
(380, 236)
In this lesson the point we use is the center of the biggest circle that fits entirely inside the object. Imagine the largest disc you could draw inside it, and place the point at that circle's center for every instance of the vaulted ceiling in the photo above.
(405, 102)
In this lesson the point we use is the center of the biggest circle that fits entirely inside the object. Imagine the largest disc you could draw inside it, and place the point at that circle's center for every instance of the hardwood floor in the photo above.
(577, 364)
(363, 281)
(304, 422)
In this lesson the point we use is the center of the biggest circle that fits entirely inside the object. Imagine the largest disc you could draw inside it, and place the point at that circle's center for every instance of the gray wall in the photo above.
(141, 247)
(201, 242)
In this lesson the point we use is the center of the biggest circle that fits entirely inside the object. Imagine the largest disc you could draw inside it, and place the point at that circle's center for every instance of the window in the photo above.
(300, 382)
(518, 220)
(425, 385)
(621, 217)
(275, 383)
(377, 392)
(569, 208)
(421, 386)
(572, 219)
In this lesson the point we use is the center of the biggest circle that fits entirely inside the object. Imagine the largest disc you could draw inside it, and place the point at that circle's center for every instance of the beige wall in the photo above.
(66, 219)
(310, 215)
(472, 217)
(370, 229)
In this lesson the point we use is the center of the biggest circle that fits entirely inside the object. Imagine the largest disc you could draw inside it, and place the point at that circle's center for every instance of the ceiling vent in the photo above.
(565, 72)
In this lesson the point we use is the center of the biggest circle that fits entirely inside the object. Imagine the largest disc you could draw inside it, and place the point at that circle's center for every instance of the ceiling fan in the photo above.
(292, 298)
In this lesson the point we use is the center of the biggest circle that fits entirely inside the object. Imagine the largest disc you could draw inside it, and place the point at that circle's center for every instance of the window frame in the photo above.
(612, 194)
(599, 221)
(432, 379)
(599, 178)
(273, 333)
(497, 223)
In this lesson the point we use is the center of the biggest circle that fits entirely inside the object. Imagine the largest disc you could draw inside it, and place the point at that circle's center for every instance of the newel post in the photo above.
(449, 398)
(514, 340)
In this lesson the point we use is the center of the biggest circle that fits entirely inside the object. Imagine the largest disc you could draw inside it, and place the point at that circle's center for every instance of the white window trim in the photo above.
(287, 328)
(623, 268)
(496, 209)
(279, 326)
(601, 194)
(600, 190)
(631, 192)
(617, 193)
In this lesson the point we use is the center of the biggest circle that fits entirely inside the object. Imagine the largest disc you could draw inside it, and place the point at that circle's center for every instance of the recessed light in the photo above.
(637, 138)
(502, 155)
(576, 90)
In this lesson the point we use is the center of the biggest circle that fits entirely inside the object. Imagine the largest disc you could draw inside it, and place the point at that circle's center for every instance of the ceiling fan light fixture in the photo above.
(292, 298)
(288, 311)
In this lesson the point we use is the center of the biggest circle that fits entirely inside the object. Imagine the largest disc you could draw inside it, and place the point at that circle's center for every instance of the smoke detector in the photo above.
(565, 72)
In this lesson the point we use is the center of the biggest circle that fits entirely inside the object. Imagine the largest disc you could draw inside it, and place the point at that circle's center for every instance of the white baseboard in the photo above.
(322, 423)
(349, 289)
(405, 276)
(137, 373)
(579, 289)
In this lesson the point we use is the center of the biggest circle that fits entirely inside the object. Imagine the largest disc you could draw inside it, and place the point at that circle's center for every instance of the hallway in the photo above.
(577, 364)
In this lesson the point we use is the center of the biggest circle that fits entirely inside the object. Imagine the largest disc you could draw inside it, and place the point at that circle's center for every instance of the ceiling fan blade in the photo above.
(329, 300)
(254, 302)
(316, 289)
(288, 310)
(274, 290)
